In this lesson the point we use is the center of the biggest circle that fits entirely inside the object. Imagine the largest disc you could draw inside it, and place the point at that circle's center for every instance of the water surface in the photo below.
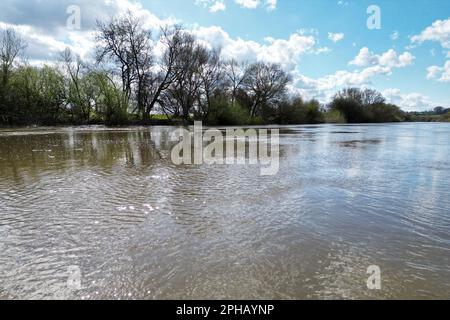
(111, 203)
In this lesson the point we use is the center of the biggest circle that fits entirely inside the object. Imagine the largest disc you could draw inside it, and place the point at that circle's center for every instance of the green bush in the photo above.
(224, 113)
(385, 113)
(296, 111)
(361, 106)
(313, 112)
(235, 115)
(351, 109)
(36, 96)
(111, 102)
(334, 116)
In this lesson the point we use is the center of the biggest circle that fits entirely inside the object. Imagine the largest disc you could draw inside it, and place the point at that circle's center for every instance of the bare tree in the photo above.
(80, 89)
(162, 79)
(212, 80)
(350, 94)
(372, 97)
(190, 60)
(236, 74)
(11, 46)
(365, 97)
(126, 42)
(265, 82)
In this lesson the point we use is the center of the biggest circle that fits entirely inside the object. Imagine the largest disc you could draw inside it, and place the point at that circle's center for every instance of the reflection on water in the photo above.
(109, 203)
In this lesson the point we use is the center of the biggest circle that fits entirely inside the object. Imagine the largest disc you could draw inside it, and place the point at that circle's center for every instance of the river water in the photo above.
(97, 213)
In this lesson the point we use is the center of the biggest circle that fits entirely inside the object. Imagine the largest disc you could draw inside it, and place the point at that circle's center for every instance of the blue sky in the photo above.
(325, 44)
(402, 17)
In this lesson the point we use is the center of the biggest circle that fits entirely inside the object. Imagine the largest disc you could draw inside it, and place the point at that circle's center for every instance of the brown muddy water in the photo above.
(109, 206)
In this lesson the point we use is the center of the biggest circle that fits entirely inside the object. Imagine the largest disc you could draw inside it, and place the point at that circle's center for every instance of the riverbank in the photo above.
(179, 122)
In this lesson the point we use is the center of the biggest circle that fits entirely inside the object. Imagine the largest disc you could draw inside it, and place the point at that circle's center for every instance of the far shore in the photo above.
(180, 123)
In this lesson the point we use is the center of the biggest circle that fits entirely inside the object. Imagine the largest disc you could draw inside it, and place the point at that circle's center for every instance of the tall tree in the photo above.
(11, 46)
(190, 60)
(80, 93)
(364, 97)
(212, 81)
(172, 41)
(265, 82)
(236, 74)
(126, 42)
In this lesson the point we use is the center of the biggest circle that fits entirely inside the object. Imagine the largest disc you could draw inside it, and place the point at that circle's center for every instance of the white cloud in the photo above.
(213, 5)
(439, 31)
(47, 45)
(335, 37)
(46, 48)
(389, 59)
(325, 87)
(342, 78)
(433, 72)
(248, 4)
(271, 5)
(283, 51)
(322, 50)
(218, 6)
(441, 74)
(374, 65)
(364, 58)
(408, 101)
(48, 36)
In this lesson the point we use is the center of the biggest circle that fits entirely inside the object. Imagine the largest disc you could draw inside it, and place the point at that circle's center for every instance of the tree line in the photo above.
(139, 77)
(438, 114)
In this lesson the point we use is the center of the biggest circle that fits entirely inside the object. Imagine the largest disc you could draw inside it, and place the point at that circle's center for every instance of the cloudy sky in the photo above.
(325, 44)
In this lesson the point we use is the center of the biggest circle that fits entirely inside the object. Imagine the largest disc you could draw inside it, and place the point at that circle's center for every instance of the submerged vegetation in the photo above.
(131, 81)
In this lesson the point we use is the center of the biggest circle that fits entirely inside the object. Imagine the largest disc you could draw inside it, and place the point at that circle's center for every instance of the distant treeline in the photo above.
(439, 114)
(170, 78)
